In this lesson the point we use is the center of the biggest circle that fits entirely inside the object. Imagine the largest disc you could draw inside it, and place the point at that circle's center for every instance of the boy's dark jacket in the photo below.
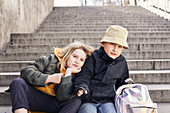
(37, 73)
(101, 76)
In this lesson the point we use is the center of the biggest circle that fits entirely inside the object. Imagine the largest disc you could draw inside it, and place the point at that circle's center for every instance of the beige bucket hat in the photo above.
(116, 34)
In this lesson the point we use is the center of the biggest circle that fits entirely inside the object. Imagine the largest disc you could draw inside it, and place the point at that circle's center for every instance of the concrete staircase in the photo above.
(148, 55)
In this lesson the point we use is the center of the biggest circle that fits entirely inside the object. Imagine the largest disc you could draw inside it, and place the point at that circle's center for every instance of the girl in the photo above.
(35, 89)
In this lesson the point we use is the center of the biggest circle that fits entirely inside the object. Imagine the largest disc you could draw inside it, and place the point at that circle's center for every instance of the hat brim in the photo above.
(116, 40)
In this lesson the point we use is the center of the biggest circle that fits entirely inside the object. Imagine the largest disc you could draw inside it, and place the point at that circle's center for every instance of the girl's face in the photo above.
(113, 50)
(76, 59)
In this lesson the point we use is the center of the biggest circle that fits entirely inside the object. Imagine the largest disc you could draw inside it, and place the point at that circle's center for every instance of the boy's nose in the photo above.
(115, 48)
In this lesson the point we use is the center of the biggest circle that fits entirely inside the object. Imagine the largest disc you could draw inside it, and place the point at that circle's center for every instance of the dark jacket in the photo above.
(101, 76)
(37, 73)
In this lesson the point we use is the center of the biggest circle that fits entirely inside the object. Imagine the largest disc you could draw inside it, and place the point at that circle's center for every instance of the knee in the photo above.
(88, 108)
(77, 101)
(17, 82)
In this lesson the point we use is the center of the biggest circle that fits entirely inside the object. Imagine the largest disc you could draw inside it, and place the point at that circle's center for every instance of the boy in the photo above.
(103, 73)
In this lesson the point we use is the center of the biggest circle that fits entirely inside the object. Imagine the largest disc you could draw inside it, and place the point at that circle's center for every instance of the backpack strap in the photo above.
(121, 88)
(129, 81)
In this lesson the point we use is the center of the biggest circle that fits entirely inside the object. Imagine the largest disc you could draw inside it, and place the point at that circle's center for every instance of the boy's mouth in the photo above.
(113, 53)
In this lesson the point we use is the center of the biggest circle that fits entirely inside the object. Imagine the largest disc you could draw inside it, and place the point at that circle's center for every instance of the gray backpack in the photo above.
(134, 98)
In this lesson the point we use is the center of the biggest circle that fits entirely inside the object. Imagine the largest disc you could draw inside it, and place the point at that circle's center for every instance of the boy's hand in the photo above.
(55, 78)
(80, 92)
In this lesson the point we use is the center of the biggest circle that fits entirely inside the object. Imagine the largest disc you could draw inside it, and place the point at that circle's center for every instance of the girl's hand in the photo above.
(80, 92)
(76, 70)
(55, 78)
(70, 71)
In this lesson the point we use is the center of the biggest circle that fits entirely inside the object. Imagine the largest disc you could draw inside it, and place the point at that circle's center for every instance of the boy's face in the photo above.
(113, 50)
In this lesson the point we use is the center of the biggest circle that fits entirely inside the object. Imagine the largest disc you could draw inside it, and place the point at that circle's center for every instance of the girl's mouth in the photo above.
(75, 65)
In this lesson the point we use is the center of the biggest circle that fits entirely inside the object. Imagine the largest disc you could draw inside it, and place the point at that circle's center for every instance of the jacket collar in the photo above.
(57, 53)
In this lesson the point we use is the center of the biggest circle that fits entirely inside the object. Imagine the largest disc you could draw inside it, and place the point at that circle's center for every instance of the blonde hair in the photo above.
(68, 50)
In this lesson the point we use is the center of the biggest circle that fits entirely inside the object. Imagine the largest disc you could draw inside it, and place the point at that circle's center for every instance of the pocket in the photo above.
(104, 90)
(142, 108)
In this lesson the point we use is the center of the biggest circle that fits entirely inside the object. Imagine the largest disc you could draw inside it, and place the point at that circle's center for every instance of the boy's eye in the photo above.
(112, 44)
(120, 46)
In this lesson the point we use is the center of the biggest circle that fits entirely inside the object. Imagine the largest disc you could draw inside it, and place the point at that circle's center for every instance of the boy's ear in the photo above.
(102, 43)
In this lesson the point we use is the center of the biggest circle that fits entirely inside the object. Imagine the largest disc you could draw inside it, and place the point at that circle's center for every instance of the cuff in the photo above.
(67, 79)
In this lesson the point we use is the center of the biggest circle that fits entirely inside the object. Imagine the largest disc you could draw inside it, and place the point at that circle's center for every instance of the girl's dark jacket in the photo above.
(37, 73)
(101, 76)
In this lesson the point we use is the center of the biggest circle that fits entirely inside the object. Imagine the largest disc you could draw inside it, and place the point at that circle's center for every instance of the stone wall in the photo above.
(21, 16)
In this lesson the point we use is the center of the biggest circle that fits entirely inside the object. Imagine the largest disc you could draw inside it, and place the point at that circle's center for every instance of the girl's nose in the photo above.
(77, 61)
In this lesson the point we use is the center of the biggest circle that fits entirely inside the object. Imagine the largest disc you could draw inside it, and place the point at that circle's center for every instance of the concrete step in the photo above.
(5, 99)
(157, 64)
(161, 107)
(54, 29)
(25, 56)
(104, 11)
(151, 76)
(105, 19)
(5, 109)
(87, 34)
(13, 66)
(107, 23)
(130, 55)
(99, 14)
(73, 26)
(54, 40)
(144, 77)
(47, 47)
(108, 16)
(157, 92)
(7, 77)
(93, 13)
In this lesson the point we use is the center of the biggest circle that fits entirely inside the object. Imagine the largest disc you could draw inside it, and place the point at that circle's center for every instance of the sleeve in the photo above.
(33, 73)
(124, 76)
(82, 79)
(64, 90)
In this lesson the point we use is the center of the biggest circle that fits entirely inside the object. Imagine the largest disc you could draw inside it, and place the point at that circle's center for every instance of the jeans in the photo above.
(97, 108)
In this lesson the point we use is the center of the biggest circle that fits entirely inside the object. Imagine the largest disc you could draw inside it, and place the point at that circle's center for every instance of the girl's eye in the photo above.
(74, 56)
(112, 44)
(82, 60)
